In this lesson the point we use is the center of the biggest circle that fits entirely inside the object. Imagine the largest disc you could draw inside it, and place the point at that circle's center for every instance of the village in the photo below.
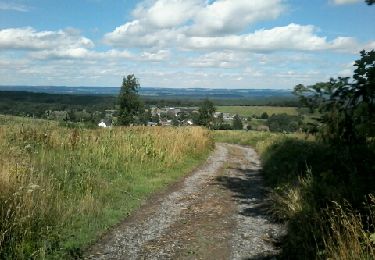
(167, 116)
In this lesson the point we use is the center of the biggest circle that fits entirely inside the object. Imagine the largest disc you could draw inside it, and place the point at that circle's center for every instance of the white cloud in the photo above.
(81, 53)
(136, 34)
(215, 26)
(9, 6)
(29, 38)
(160, 55)
(218, 60)
(167, 13)
(231, 16)
(290, 37)
(344, 2)
(159, 23)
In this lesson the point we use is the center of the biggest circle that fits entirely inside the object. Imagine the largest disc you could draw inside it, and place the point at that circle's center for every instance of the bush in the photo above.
(284, 123)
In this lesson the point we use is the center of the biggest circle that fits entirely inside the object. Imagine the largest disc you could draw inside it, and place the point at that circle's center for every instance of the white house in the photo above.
(104, 123)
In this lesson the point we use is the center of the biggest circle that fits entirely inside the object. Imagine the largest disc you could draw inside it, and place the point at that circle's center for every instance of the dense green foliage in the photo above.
(131, 107)
(237, 123)
(284, 123)
(347, 107)
(36, 104)
(205, 115)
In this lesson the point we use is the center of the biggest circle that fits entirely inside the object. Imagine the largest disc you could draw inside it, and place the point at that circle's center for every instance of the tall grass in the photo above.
(60, 188)
(261, 141)
(350, 234)
(319, 191)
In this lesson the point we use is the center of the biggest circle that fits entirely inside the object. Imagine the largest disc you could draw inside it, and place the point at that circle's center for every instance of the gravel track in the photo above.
(214, 213)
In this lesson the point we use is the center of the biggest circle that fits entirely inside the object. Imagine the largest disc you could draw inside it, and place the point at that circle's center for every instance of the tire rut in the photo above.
(215, 213)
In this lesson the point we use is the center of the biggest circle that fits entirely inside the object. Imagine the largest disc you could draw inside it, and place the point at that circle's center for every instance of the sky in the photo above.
(249, 44)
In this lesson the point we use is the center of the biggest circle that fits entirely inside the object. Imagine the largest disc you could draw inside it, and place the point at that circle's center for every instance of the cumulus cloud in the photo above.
(167, 13)
(290, 37)
(29, 38)
(217, 25)
(137, 34)
(344, 2)
(231, 16)
(161, 22)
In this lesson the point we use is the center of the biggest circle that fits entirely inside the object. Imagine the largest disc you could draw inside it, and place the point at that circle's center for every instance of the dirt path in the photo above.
(215, 213)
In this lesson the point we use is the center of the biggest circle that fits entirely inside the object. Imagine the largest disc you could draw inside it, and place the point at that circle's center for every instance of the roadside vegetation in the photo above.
(325, 195)
(323, 186)
(60, 188)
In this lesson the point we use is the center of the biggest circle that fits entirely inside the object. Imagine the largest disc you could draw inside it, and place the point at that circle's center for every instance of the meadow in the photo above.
(60, 187)
(248, 111)
(324, 194)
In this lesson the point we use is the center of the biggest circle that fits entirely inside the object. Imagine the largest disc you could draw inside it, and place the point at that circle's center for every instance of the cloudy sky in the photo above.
(182, 43)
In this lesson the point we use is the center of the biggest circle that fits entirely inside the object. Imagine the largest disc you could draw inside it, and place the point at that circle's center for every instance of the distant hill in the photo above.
(166, 93)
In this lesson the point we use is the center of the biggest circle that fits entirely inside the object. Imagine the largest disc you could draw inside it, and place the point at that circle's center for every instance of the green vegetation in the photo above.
(325, 188)
(131, 107)
(38, 104)
(246, 111)
(347, 107)
(237, 123)
(205, 115)
(284, 123)
(60, 188)
(325, 195)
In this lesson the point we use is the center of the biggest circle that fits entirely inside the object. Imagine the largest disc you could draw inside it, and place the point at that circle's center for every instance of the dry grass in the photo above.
(287, 201)
(60, 187)
(314, 231)
(350, 234)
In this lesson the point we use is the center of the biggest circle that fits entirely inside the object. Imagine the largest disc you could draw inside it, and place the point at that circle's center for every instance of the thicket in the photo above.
(60, 188)
(284, 123)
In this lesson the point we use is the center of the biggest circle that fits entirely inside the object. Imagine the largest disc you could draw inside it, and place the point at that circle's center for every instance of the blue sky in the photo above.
(182, 43)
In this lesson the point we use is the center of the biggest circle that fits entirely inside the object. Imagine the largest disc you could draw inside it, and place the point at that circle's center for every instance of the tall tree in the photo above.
(347, 107)
(237, 123)
(206, 113)
(131, 106)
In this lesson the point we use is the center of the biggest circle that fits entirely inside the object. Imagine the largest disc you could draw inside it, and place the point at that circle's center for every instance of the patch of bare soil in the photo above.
(215, 213)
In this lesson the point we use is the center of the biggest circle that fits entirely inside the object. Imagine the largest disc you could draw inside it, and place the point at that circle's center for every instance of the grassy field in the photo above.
(258, 139)
(324, 193)
(60, 188)
(247, 111)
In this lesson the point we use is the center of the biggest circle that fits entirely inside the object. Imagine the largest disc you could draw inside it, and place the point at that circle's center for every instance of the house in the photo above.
(173, 111)
(152, 124)
(105, 123)
(166, 122)
(227, 116)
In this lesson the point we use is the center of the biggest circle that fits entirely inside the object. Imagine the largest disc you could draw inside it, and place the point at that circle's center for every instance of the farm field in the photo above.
(60, 188)
(247, 111)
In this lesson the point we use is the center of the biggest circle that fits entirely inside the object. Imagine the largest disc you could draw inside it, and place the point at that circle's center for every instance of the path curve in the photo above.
(217, 212)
